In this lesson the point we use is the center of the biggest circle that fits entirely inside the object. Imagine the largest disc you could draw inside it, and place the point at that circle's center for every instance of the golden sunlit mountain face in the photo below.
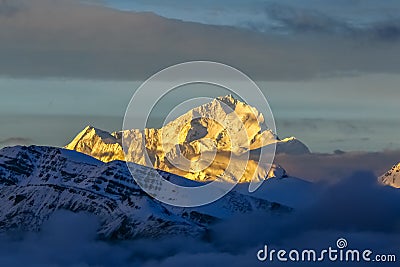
(199, 148)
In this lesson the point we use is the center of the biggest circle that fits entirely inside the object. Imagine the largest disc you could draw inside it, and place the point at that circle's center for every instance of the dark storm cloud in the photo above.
(69, 39)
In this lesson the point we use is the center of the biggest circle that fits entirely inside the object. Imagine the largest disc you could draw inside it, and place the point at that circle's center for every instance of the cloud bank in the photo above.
(356, 208)
(332, 168)
(48, 38)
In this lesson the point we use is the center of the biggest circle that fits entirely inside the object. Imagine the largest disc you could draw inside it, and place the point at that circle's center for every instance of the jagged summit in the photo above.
(194, 137)
(392, 177)
(229, 100)
(93, 131)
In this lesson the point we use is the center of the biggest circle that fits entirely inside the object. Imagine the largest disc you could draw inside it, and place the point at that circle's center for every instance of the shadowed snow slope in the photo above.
(37, 181)
(290, 191)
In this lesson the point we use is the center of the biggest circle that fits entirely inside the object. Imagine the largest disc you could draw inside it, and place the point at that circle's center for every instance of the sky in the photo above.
(328, 68)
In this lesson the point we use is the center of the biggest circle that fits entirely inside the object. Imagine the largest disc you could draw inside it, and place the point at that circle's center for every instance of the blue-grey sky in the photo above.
(348, 113)
(322, 63)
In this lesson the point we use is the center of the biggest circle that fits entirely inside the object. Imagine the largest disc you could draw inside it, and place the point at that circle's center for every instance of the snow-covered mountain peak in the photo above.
(98, 143)
(91, 131)
(230, 101)
(223, 127)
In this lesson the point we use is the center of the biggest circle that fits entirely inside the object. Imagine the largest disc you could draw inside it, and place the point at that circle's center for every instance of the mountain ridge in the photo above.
(37, 181)
(195, 137)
